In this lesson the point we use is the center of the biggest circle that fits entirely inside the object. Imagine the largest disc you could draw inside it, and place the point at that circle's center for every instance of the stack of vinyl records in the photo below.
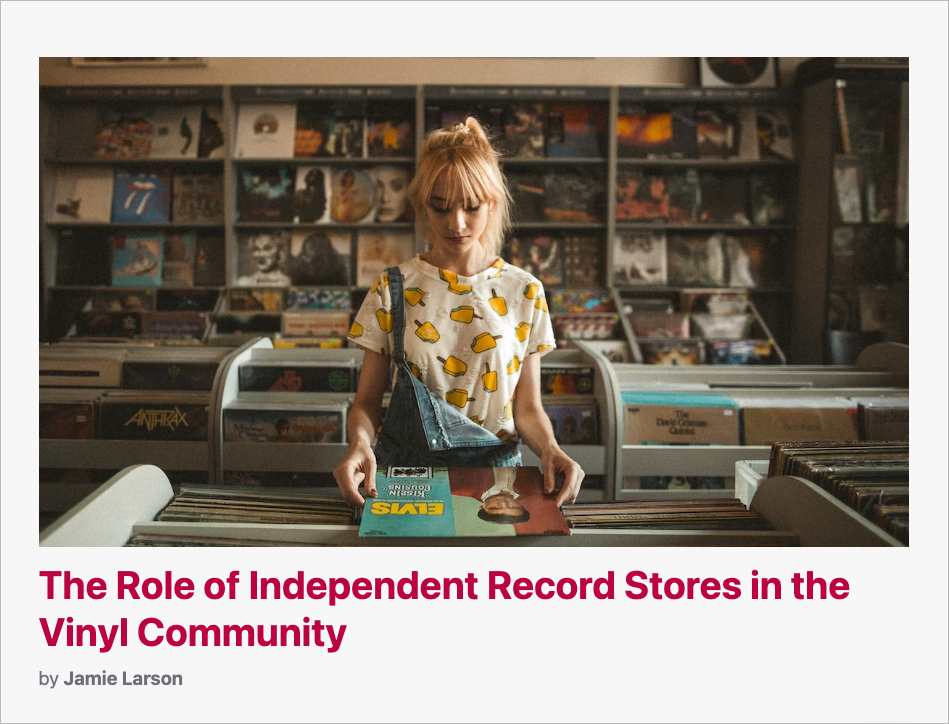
(686, 514)
(870, 477)
(204, 504)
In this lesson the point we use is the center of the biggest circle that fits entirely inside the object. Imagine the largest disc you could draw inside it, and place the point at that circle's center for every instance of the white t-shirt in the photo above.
(465, 337)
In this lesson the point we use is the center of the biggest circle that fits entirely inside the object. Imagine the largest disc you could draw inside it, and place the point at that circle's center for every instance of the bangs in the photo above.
(467, 177)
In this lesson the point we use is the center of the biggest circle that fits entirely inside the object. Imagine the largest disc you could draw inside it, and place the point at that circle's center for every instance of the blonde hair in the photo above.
(464, 153)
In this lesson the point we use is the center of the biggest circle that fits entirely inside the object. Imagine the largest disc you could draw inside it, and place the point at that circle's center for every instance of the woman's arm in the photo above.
(359, 465)
(534, 427)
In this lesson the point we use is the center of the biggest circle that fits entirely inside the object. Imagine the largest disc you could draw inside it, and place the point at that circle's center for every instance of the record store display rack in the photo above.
(264, 416)
(219, 213)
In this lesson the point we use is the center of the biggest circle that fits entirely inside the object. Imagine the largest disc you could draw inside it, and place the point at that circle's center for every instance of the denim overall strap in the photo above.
(422, 422)
(398, 314)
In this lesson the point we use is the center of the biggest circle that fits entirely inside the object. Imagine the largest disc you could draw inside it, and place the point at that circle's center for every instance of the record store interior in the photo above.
(307, 301)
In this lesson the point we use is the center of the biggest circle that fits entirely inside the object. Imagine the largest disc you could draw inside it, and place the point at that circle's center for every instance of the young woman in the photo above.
(465, 329)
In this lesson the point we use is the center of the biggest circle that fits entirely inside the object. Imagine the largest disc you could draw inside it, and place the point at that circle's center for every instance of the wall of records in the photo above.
(660, 220)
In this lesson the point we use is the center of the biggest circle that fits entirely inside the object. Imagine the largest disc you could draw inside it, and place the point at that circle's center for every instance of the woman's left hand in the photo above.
(560, 468)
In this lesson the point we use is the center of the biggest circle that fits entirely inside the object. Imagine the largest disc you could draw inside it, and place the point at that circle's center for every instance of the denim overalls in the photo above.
(423, 429)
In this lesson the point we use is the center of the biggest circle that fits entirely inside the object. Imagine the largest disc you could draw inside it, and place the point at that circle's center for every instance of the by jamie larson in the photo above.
(106, 679)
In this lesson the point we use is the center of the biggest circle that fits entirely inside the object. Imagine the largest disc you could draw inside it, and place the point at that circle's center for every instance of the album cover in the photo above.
(642, 134)
(460, 503)
(583, 261)
(721, 326)
(390, 132)
(256, 300)
(91, 323)
(319, 323)
(704, 302)
(524, 131)
(575, 131)
(67, 421)
(141, 197)
(320, 258)
(211, 137)
(265, 193)
(392, 194)
(209, 260)
(753, 261)
(741, 352)
(684, 132)
(661, 325)
(696, 260)
(574, 424)
(240, 324)
(770, 199)
(175, 131)
(349, 136)
(137, 259)
(723, 198)
(774, 134)
(197, 198)
(141, 300)
(527, 196)
(684, 196)
(566, 380)
(292, 424)
(168, 375)
(541, 256)
(674, 352)
(641, 195)
(263, 259)
(576, 301)
(376, 251)
(639, 257)
(574, 197)
(83, 194)
(265, 130)
(352, 196)
(178, 263)
(123, 133)
(297, 378)
(187, 300)
(334, 299)
(145, 419)
(314, 131)
(175, 325)
(311, 197)
(879, 186)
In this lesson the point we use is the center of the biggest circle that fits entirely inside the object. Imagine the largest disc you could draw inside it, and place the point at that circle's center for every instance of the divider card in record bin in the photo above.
(298, 378)
(680, 418)
(766, 420)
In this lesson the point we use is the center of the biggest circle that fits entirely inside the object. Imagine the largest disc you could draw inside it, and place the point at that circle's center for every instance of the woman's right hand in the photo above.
(359, 466)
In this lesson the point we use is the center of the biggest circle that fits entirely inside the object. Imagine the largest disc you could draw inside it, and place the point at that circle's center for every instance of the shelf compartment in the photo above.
(86, 454)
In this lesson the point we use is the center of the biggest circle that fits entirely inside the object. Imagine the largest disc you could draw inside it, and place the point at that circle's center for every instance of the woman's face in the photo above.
(266, 253)
(457, 224)
(392, 184)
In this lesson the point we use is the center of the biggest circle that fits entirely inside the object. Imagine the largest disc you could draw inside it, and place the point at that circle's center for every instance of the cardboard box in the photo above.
(680, 419)
(884, 418)
(766, 425)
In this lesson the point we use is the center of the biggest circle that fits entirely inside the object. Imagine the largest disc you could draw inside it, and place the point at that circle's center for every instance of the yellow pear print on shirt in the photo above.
(453, 286)
(484, 341)
(498, 304)
(414, 369)
(541, 303)
(531, 291)
(448, 276)
(426, 332)
(459, 288)
(459, 398)
(385, 320)
(453, 366)
(489, 380)
(414, 296)
(356, 330)
(375, 285)
(523, 331)
(476, 420)
(464, 314)
(514, 365)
